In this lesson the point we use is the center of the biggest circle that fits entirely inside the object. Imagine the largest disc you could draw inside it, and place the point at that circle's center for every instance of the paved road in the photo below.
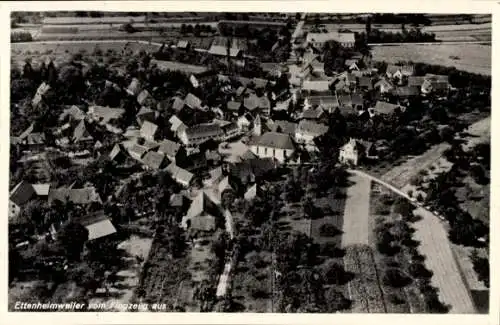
(434, 244)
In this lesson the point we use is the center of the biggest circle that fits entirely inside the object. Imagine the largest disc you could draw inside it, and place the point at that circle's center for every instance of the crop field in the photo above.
(435, 245)
(475, 58)
(355, 225)
(364, 289)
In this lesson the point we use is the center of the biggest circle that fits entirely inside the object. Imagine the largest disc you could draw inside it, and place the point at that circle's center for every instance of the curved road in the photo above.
(434, 244)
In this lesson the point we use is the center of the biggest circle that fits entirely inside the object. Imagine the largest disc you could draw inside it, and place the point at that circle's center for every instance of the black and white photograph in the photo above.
(249, 162)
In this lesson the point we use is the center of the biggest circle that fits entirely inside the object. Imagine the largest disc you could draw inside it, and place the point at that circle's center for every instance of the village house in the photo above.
(148, 130)
(365, 83)
(105, 115)
(118, 154)
(137, 151)
(177, 104)
(220, 50)
(180, 175)
(308, 130)
(197, 134)
(34, 142)
(145, 99)
(154, 160)
(358, 103)
(40, 92)
(230, 131)
(281, 126)
(234, 107)
(382, 107)
(399, 72)
(183, 45)
(79, 196)
(72, 113)
(214, 177)
(134, 87)
(18, 197)
(98, 225)
(273, 145)
(176, 125)
(316, 85)
(406, 92)
(192, 101)
(314, 114)
(82, 135)
(384, 86)
(318, 40)
(173, 150)
(146, 114)
(326, 102)
(202, 214)
(435, 84)
(244, 122)
(352, 65)
(354, 151)
(253, 192)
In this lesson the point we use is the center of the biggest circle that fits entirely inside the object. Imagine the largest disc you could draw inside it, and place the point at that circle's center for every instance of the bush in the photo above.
(395, 278)
(329, 230)
(396, 299)
(331, 250)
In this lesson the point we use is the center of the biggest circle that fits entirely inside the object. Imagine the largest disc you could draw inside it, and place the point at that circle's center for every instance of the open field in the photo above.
(356, 212)
(434, 244)
(475, 58)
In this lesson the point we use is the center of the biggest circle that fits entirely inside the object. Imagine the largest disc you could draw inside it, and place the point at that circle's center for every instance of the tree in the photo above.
(418, 270)
(72, 238)
(334, 273)
(329, 230)
(481, 266)
(395, 278)
(335, 301)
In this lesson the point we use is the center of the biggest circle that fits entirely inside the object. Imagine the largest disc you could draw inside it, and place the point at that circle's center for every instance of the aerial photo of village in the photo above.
(249, 162)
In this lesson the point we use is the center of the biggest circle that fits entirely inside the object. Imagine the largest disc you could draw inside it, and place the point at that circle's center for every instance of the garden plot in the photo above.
(397, 300)
(252, 283)
(401, 175)
(434, 244)
(356, 212)
(364, 289)
(122, 291)
(333, 207)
